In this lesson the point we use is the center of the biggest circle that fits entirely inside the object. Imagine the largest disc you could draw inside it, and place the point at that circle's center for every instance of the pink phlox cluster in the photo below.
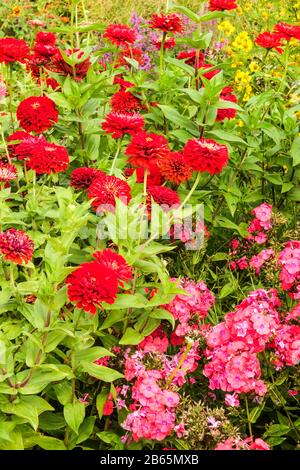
(240, 444)
(156, 342)
(289, 261)
(257, 261)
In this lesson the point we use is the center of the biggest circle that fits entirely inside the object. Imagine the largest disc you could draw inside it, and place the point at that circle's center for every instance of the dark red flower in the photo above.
(108, 408)
(120, 34)
(37, 114)
(115, 262)
(269, 41)
(105, 189)
(220, 5)
(154, 177)
(13, 50)
(82, 178)
(209, 75)
(60, 66)
(17, 137)
(28, 146)
(287, 31)
(174, 168)
(16, 246)
(132, 53)
(170, 23)
(205, 155)
(119, 124)
(227, 113)
(90, 285)
(146, 149)
(168, 44)
(118, 80)
(164, 197)
(190, 57)
(50, 82)
(8, 172)
(45, 44)
(46, 157)
(125, 102)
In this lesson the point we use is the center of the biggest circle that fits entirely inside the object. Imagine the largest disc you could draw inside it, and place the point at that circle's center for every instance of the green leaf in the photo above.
(277, 430)
(48, 443)
(174, 116)
(49, 421)
(256, 412)
(74, 414)
(131, 336)
(227, 290)
(86, 429)
(101, 400)
(128, 301)
(163, 314)
(219, 257)
(226, 137)
(273, 178)
(100, 372)
(295, 151)
(187, 12)
(91, 354)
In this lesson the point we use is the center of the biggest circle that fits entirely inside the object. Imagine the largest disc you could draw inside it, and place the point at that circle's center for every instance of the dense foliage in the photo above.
(129, 321)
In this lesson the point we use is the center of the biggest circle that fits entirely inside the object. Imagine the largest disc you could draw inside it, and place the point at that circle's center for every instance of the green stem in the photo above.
(162, 53)
(119, 146)
(191, 191)
(248, 416)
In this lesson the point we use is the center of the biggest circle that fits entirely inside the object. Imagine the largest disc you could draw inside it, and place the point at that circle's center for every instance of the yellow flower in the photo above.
(239, 10)
(243, 42)
(242, 77)
(294, 42)
(264, 15)
(247, 6)
(240, 123)
(298, 114)
(17, 10)
(226, 27)
(254, 67)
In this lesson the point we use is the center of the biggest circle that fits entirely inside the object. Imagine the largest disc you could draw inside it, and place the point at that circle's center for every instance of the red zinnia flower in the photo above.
(18, 137)
(82, 178)
(45, 37)
(115, 262)
(171, 23)
(29, 146)
(120, 34)
(46, 157)
(90, 285)
(37, 113)
(119, 124)
(146, 149)
(154, 177)
(118, 80)
(105, 189)
(269, 41)
(209, 75)
(45, 44)
(8, 172)
(287, 31)
(174, 168)
(125, 102)
(205, 155)
(220, 5)
(169, 43)
(190, 57)
(13, 50)
(133, 53)
(60, 66)
(227, 113)
(165, 197)
(16, 246)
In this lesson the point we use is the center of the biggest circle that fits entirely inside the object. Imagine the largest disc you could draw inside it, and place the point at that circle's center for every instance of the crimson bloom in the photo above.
(227, 113)
(13, 50)
(205, 155)
(211, 73)
(146, 149)
(17, 137)
(269, 41)
(119, 124)
(16, 246)
(105, 189)
(82, 178)
(37, 114)
(168, 44)
(120, 34)
(90, 285)
(125, 102)
(220, 5)
(190, 57)
(287, 31)
(171, 23)
(60, 66)
(124, 84)
(48, 158)
(115, 262)
(165, 197)
(8, 172)
(45, 44)
(174, 168)
(29, 145)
